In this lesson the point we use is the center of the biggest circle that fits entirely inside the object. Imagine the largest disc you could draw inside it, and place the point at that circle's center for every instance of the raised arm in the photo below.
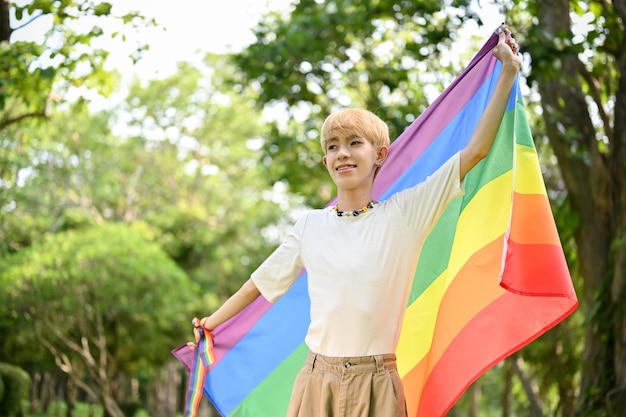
(480, 143)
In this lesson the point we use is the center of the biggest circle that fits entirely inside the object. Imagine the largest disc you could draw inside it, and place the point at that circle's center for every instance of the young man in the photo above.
(360, 257)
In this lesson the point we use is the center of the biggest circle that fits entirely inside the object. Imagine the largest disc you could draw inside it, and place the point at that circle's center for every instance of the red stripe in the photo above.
(535, 263)
(537, 270)
(485, 341)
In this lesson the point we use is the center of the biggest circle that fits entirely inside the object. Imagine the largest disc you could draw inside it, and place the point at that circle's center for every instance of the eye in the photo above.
(331, 147)
(355, 142)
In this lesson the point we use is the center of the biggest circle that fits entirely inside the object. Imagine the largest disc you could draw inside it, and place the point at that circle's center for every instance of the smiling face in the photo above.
(355, 143)
(352, 161)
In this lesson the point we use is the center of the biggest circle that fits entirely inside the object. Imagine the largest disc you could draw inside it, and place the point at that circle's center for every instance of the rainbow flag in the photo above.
(491, 278)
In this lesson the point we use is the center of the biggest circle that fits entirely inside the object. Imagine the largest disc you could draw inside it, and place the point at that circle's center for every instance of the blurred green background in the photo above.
(138, 192)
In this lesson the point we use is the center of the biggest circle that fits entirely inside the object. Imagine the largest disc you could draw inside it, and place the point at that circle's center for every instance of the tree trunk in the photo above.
(5, 25)
(110, 406)
(476, 393)
(530, 387)
(71, 396)
(507, 387)
(35, 393)
(164, 391)
(47, 391)
(594, 177)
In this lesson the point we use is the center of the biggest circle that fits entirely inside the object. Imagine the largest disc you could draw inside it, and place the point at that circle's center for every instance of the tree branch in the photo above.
(530, 387)
(594, 90)
(28, 23)
(65, 365)
(6, 122)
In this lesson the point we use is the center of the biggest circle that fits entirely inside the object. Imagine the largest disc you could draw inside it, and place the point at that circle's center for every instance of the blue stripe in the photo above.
(279, 332)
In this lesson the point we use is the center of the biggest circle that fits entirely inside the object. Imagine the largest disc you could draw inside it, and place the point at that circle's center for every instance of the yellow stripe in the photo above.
(490, 206)
(528, 179)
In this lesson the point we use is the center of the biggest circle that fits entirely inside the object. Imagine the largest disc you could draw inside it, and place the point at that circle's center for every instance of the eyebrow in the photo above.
(352, 136)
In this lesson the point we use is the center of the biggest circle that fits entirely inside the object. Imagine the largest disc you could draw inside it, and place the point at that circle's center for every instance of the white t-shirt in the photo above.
(360, 269)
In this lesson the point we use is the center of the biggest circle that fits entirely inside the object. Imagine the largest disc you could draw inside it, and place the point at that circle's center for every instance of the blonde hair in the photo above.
(358, 122)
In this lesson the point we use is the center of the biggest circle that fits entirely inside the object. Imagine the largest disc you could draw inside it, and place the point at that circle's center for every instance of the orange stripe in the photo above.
(532, 221)
(474, 287)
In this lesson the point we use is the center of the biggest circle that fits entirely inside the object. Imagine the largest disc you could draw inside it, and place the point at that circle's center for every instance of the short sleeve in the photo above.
(280, 270)
(422, 204)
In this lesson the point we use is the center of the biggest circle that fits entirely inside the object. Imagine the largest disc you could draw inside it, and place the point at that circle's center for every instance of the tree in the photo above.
(33, 73)
(186, 161)
(204, 170)
(580, 71)
(326, 55)
(99, 300)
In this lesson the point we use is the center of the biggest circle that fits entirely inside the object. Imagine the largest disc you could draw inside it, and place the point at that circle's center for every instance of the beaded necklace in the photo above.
(355, 213)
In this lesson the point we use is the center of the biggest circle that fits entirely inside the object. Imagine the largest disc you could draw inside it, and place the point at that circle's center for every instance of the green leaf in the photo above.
(103, 9)
(48, 73)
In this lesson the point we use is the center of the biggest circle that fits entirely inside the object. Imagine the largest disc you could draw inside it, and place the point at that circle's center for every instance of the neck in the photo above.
(349, 201)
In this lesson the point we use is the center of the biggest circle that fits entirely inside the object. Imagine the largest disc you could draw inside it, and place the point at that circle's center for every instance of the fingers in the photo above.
(512, 44)
(198, 331)
(505, 37)
(507, 49)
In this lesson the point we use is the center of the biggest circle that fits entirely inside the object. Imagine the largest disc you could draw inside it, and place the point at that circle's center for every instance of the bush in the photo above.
(16, 383)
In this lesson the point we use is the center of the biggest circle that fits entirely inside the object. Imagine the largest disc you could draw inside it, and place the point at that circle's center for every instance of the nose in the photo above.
(343, 151)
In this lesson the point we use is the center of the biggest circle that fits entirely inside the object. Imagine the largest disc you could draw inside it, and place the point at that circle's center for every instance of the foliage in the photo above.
(15, 383)
(386, 56)
(205, 173)
(99, 299)
(186, 163)
(107, 281)
(36, 74)
(189, 144)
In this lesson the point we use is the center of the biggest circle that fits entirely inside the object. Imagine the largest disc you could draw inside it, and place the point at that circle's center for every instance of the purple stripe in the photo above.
(405, 151)
(228, 334)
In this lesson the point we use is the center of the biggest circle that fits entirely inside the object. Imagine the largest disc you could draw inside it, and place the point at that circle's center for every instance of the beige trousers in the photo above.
(367, 386)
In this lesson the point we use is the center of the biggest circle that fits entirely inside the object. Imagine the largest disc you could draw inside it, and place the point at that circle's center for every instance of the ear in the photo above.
(382, 153)
(324, 160)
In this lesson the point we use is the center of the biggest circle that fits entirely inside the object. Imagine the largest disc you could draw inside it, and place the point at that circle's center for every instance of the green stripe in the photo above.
(524, 135)
(271, 396)
(437, 246)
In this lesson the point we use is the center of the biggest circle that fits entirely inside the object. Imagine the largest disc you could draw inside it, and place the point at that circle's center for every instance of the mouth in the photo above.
(341, 168)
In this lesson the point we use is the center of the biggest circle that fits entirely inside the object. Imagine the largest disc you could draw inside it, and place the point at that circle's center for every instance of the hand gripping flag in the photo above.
(204, 357)
(491, 277)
